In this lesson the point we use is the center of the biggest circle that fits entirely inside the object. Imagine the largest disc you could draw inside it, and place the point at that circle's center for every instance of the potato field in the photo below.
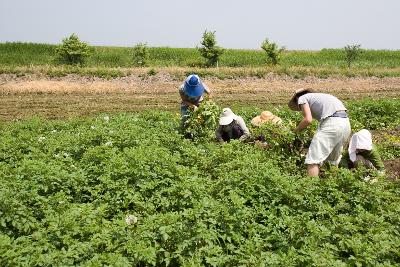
(130, 190)
(95, 169)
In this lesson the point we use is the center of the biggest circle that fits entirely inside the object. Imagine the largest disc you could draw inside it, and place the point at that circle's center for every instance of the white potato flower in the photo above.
(109, 143)
(131, 219)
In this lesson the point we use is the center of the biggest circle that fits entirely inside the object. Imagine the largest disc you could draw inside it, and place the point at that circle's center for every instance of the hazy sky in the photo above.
(295, 24)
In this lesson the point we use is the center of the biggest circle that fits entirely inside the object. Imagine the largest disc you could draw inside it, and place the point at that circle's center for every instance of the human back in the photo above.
(321, 105)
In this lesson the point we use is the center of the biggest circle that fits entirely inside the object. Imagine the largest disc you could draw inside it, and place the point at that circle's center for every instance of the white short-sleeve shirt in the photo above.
(321, 105)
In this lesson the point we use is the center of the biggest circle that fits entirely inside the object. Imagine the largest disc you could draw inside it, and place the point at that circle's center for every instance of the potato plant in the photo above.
(202, 121)
(130, 190)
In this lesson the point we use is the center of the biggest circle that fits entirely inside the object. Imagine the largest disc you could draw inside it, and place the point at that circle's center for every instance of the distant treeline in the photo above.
(32, 54)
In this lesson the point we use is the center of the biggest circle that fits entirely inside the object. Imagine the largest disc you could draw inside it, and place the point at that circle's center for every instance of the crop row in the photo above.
(128, 189)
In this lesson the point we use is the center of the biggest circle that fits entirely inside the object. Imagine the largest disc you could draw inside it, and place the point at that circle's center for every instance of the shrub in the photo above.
(140, 55)
(352, 52)
(273, 52)
(73, 51)
(209, 49)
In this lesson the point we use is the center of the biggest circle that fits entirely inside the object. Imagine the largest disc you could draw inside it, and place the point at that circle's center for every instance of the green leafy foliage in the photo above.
(202, 122)
(209, 49)
(68, 187)
(73, 51)
(352, 52)
(140, 55)
(374, 114)
(284, 142)
(23, 58)
(272, 51)
(388, 143)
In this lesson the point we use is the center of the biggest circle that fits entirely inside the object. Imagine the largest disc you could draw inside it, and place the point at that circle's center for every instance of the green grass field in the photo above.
(111, 62)
(26, 54)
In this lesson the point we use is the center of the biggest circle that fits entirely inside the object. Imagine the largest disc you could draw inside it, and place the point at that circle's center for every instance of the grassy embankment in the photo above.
(109, 62)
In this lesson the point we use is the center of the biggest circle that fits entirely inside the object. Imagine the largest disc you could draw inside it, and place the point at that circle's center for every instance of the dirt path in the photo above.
(79, 96)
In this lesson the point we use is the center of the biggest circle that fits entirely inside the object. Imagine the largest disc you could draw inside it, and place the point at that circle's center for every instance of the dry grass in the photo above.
(74, 95)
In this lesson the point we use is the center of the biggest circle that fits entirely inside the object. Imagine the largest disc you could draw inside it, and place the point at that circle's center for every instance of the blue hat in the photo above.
(193, 86)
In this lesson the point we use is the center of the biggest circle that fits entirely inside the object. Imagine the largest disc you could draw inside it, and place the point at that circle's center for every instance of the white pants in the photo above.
(327, 143)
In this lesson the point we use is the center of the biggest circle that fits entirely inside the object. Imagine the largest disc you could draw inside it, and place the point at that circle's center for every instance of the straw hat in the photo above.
(193, 87)
(293, 103)
(227, 116)
(264, 117)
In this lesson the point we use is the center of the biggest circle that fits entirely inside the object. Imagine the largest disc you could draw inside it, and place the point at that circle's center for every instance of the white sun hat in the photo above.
(360, 140)
(227, 116)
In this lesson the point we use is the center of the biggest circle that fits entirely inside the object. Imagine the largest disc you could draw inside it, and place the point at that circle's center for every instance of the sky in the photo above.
(294, 24)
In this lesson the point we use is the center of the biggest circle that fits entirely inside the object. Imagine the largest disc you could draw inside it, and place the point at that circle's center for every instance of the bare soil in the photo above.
(393, 168)
(73, 95)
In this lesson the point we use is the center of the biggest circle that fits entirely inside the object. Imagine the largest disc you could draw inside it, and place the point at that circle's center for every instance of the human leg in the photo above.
(184, 114)
(344, 130)
(313, 170)
(327, 139)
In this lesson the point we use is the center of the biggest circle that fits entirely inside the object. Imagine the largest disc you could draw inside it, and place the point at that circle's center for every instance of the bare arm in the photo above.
(242, 124)
(307, 118)
(207, 90)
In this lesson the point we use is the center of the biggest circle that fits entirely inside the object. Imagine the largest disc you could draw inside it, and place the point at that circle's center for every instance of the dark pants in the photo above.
(235, 133)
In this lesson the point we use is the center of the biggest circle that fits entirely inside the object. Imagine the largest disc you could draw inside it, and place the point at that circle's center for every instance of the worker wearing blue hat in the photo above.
(191, 92)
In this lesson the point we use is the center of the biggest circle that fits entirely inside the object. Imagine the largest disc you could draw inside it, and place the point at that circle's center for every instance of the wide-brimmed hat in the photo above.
(264, 117)
(227, 116)
(360, 140)
(193, 87)
(293, 105)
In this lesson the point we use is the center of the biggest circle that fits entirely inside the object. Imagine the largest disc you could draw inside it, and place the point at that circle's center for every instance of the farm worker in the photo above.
(264, 117)
(231, 126)
(362, 152)
(333, 129)
(191, 92)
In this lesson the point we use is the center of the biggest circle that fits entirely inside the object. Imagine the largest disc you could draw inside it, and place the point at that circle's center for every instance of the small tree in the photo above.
(209, 49)
(352, 52)
(273, 51)
(140, 54)
(73, 51)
